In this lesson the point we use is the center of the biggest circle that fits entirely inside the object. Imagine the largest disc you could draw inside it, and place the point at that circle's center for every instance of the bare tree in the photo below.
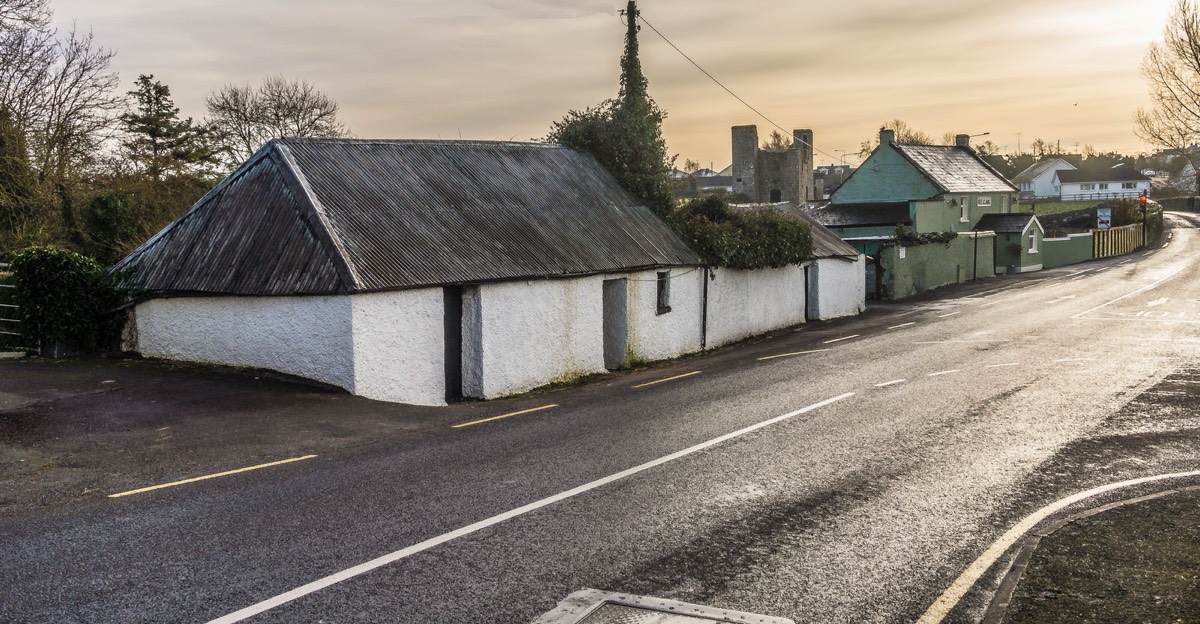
(57, 87)
(245, 118)
(1172, 71)
(905, 135)
(24, 14)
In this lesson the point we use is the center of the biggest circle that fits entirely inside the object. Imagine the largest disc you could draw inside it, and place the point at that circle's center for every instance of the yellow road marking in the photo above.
(211, 476)
(484, 420)
(651, 383)
(902, 325)
(783, 355)
(841, 339)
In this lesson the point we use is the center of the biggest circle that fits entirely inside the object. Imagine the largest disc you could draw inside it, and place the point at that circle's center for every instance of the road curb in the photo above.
(998, 607)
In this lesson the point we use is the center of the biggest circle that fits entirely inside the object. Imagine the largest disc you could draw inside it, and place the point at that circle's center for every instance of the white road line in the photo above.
(390, 558)
(1136, 292)
(902, 325)
(990, 303)
(950, 314)
(945, 372)
(1002, 365)
(1073, 360)
(949, 599)
(890, 383)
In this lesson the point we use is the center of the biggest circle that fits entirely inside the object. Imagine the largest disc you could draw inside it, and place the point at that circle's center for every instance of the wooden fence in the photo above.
(1116, 241)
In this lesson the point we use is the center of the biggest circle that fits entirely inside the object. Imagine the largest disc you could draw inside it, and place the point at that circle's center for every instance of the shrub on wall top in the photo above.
(67, 297)
(756, 239)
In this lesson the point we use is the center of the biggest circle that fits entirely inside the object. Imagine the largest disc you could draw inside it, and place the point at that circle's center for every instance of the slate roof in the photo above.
(1005, 222)
(826, 244)
(1032, 172)
(1114, 174)
(339, 216)
(885, 214)
(955, 169)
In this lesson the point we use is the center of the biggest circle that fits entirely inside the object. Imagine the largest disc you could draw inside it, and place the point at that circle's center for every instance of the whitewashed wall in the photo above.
(654, 336)
(841, 287)
(746, 303)
(398, 346)
(305, 336)
(521, 335)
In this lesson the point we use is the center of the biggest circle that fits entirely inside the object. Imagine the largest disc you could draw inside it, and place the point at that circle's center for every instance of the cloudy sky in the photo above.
(1060, 70)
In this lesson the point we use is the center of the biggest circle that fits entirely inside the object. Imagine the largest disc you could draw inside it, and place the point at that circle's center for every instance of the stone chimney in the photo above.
(886, 136)
(962, 140)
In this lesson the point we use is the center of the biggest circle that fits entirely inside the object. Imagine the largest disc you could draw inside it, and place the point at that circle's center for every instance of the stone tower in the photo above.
(764, 176)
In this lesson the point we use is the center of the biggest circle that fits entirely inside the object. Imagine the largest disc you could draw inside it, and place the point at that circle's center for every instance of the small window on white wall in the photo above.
(964, 211)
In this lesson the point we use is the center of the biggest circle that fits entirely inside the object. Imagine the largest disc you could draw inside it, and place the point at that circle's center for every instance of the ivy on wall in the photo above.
(756, 239)
(907, 237)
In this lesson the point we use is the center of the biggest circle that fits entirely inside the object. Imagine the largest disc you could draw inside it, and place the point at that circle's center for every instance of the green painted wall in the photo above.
(884, 177)
(1058, 252)
(939, 216)
(935, 265)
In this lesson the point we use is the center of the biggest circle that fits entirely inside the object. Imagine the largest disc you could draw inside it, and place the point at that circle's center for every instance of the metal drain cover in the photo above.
(592, 606)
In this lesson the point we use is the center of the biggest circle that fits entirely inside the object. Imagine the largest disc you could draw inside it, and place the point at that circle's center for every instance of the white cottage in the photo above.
(425, 271)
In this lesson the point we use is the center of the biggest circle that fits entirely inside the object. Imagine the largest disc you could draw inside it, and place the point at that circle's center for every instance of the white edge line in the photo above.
(378, 562)
(950, 314)
(949, 599)
(1138, 291)
(1002, 365)
(945, 372)
(890, 383)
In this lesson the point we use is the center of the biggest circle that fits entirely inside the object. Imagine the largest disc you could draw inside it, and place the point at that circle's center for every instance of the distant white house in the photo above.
(1121, 181)
(1040, 179)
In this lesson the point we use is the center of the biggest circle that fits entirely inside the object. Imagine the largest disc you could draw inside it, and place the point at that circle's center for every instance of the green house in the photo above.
(946, 187)
(1018, 242)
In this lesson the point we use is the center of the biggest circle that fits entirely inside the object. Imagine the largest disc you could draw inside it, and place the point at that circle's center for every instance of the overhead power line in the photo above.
(727, 89)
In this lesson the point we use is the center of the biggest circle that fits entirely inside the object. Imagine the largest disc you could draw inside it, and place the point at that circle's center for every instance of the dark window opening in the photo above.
(664, 292)
(776, 195)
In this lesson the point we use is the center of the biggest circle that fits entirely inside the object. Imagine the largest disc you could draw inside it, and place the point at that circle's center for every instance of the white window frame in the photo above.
(1087, 186)
(1104, 186)
(964, 211)
(1129, 185)
(1033, 243)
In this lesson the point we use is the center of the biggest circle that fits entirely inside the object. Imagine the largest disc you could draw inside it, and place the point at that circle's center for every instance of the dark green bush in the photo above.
(67, 297)
(756, 239)
(906, 237)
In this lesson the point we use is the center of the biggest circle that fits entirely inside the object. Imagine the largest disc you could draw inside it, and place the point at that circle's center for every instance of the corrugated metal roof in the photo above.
(883, 214)
(826, 244)
(955, 169)
(339, 215)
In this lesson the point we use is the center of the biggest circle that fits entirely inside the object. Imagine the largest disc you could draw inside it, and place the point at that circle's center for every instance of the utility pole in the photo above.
(1018, 144)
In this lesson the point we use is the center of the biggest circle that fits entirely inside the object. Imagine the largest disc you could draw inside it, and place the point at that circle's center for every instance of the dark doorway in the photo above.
(811, 300)
(776, 196)
(616, 323)
(453, 298)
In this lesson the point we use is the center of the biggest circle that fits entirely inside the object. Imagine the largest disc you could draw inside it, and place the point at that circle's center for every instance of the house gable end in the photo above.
(886, 176)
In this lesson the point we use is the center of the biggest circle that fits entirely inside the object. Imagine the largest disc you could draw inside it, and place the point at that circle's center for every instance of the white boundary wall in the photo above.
(305, 336)
(654, 336)
(399, 349)
(521, 335)
(840, 287)
(746, 303)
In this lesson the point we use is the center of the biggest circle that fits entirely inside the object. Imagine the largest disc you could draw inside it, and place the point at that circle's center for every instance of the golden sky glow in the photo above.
(1060, 70)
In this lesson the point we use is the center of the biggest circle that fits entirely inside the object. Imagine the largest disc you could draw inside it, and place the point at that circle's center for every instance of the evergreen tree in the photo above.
(625, 134)
(159, 142)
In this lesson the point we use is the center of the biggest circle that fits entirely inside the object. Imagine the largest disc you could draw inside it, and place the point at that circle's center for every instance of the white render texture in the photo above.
(746, 303)
(385, 346)
(841, 287)
(305, 336)
(521, 335)
(398, 346)
(654, 336)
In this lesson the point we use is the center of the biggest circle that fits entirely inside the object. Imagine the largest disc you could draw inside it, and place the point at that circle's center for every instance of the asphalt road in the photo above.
(852, 476)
